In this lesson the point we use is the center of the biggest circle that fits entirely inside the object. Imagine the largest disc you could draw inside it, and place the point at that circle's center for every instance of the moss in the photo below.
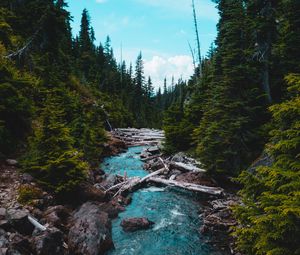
(27, 194)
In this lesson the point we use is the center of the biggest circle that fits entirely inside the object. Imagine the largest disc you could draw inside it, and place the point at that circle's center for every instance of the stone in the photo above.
(109, 181)
(2, 213)
(124, 200)
(27, 178)
(179, 157)
(88, 192)
(3, 239)
(49, 242)
(134, 224)
(90, 232)
(153, 150)
(19, 221)
(4, 224)
(61, 212)
(112, 209)
(12, 162)
(19, 244)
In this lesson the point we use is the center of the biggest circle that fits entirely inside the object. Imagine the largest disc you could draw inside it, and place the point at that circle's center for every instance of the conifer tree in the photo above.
(52, 158)
(270, 215)
(228, 135)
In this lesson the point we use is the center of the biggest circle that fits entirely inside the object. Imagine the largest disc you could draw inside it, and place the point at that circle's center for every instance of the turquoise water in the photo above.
(175, 213)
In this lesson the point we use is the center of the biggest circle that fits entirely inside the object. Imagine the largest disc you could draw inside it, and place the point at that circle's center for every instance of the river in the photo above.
(175, 213)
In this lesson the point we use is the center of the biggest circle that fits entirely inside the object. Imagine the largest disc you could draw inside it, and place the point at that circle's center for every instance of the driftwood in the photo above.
(164, 164)
(151, 157)
(186, 167)
(135, 137)
(129, 185)
(188, 186)
(36, 224)
(160, 171)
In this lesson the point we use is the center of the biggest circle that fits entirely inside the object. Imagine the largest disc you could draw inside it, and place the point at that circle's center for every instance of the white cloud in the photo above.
(180, 66)
(100, 1)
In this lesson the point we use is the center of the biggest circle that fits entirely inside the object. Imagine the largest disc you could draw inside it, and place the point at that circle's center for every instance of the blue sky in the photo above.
(160, 29)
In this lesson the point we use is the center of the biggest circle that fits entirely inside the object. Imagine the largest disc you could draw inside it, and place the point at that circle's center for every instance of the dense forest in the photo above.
(241, 104)
(60, 92)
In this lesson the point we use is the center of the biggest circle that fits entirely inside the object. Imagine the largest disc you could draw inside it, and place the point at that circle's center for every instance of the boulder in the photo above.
(124, 200)
(134, 224)
(18, 219)
(12, 162)
(3, 239)
(19, 244)
(112, 208)
(153, 150)
(56, 215)
(27, 178)
(90, 232)
(2, 213)
(88, 192)
(4, 224)
(179, 157)
(49, 242)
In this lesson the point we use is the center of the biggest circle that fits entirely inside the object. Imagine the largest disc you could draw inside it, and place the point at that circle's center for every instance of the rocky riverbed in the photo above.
(85, 226)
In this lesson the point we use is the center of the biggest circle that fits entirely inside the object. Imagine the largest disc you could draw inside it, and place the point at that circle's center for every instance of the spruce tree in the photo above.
(269, 219)
(52, 158)
(228, 137)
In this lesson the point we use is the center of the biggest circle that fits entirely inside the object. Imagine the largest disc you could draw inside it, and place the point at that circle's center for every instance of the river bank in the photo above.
(84, 227)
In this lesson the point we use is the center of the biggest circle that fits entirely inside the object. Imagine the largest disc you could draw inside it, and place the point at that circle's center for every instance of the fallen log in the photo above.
(151, 157)
(188, 186)
(186, 167)
(164, 164)
(129, 185)
(116, 186)
(160, 171)
(36, 224)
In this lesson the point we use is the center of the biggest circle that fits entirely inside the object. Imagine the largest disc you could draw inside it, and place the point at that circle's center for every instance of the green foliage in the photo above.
(15, 108)
(270, 217)
(228, 136)
(27, 194)
(52, 158)
(177, 130)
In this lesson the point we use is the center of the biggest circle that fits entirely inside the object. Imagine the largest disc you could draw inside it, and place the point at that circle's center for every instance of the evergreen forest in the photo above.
(60, 93)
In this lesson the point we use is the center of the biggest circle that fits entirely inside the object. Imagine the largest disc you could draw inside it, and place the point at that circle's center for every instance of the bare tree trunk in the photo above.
(197, 38)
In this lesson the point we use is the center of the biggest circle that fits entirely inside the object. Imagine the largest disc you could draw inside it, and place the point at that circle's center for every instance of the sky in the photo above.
(160, 29)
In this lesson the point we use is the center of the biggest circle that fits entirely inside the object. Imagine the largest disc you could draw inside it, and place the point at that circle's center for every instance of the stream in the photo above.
(175, 213)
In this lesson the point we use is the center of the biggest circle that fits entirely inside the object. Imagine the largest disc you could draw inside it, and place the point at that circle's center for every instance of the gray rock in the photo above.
(27, 178)
(4, 224)
(109, 181)
(12, 162)
(19, 245)
(49, 242)
(179, 157)
(2, 213)
(90, 233)
(19, 221)
(153, 150)
(56, 215)
(134, 224)
(3, 239)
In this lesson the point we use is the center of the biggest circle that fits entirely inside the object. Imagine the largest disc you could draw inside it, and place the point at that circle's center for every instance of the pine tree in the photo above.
(52, 158)
(16, 106)
(228, 136)
(87, 59)
(269, 218)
